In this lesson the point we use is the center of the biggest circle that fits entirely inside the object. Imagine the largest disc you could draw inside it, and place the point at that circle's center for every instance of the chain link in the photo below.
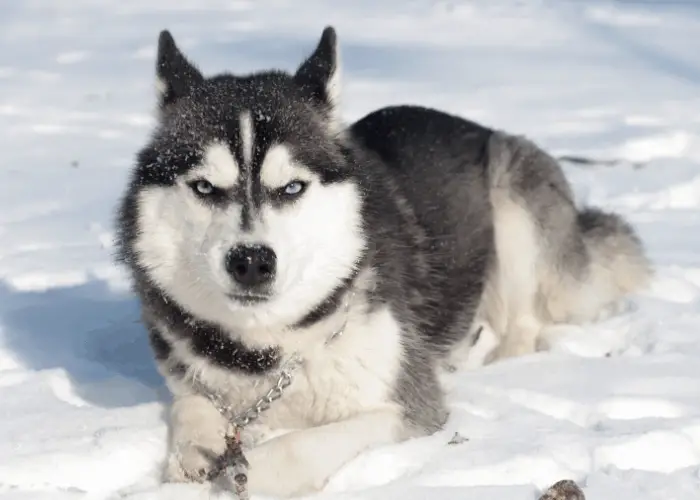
(241, 420)
(263, 404)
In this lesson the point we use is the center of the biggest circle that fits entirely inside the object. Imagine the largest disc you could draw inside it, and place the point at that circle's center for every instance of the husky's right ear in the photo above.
(175, 75)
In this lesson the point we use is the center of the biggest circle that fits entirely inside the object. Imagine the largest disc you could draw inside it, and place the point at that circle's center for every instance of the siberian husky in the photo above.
(311, 280)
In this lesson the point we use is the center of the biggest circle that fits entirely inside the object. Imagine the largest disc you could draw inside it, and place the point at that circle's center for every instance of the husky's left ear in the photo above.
(319, 76)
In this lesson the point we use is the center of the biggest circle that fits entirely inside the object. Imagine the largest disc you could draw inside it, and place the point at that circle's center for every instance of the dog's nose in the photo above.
(251, 265)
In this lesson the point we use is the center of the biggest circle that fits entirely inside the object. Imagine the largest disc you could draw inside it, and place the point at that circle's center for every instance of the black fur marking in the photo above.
(242, 194)
(209, 341)
(330, 304)
(329, 165)
(174, 70)
(163, 353)
(246, 202)
(160, 166)
(315, 73)
(279, 115)
(161, 347)
(263, 140)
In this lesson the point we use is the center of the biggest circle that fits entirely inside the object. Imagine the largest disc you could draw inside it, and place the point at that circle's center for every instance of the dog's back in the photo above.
(487, 196)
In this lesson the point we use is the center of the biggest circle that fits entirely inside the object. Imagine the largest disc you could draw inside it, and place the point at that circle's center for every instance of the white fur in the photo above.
(161, 87)
(177, 243)
(279, 168)
(338, 406)
(195, 426)
(302, 462)
(247, 137)
(510, 297)
(218, 167)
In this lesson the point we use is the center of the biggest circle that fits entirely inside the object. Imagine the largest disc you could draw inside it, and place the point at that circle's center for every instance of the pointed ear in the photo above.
(319, 75)
(176, 76)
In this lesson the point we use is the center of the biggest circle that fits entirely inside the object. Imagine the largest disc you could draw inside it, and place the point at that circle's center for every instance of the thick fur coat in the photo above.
(258, 229)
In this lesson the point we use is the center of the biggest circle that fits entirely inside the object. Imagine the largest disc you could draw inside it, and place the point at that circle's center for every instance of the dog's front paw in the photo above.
(190, 463)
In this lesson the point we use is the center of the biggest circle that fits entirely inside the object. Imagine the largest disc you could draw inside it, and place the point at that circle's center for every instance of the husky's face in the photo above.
(243, 205)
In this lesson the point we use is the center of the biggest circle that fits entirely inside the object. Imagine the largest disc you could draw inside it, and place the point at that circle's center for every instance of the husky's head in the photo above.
(243, 206)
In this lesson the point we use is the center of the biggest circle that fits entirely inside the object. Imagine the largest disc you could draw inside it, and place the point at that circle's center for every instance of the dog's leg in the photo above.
(516, 281)
(522, 339)
(196, 435)
(303, 461)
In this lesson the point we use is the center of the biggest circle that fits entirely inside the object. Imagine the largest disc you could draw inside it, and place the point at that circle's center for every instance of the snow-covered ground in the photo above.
(615, 406)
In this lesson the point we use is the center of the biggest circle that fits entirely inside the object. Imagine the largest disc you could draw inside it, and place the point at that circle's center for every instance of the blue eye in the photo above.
(204, 187)
(294, 188)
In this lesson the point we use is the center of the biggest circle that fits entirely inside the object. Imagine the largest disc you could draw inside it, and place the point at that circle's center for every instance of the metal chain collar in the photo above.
(238, 421)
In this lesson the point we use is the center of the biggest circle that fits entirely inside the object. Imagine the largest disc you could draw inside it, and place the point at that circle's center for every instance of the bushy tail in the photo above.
(618, 262)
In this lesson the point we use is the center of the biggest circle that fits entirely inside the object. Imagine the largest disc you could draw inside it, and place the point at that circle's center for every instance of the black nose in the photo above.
(252, 265)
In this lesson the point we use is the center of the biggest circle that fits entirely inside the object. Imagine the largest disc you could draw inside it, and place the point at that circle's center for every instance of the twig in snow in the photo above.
(592, 162)
(457, 439)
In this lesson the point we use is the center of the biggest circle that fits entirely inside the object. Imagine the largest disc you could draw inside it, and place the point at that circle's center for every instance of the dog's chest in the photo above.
(355, 372)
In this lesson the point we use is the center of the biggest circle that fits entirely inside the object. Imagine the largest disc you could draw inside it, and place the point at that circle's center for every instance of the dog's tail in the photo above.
(618, 263)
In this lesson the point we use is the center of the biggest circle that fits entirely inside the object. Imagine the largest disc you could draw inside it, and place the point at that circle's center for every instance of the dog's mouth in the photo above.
(249, 298)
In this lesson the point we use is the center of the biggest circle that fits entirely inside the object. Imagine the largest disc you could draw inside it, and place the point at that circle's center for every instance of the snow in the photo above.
(614, 405)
